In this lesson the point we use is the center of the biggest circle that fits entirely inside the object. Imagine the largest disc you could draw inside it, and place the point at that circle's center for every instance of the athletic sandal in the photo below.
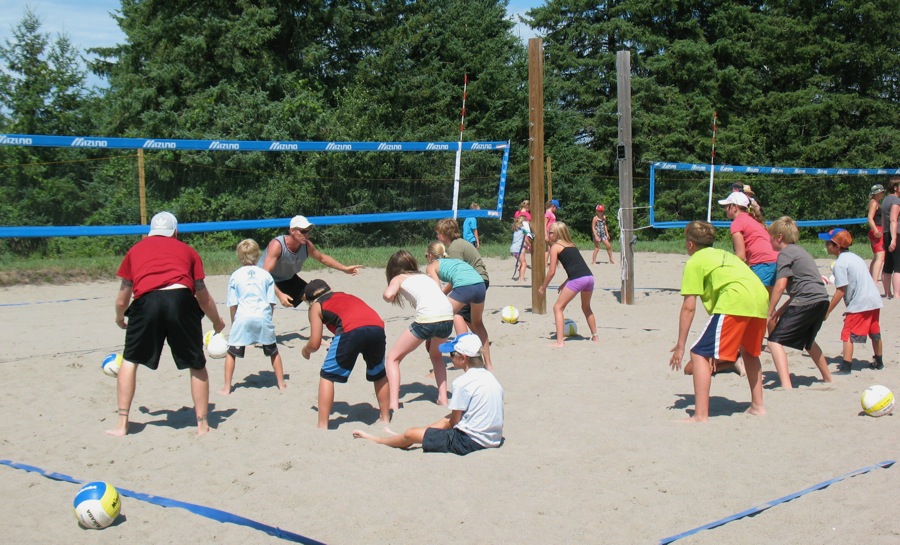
(846, 367)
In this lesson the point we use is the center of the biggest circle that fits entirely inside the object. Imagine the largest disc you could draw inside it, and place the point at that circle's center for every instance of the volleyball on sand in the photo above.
(570, 329)
(510, 314)
(877, 401)
(97, 505)
(111, 365)
(216, 345)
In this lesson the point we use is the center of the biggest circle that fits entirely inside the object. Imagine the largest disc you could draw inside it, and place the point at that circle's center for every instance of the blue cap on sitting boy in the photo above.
(555, 203)
(841, 237)
(467, 344)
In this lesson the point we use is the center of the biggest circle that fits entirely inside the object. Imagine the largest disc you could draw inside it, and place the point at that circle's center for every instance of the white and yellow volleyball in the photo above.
(97, 505)
(877, 401)
(111, 365)
(570, 328)
(510, 314)
(216, 345)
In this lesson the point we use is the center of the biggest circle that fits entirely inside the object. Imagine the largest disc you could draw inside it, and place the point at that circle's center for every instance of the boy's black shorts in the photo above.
(799, 325)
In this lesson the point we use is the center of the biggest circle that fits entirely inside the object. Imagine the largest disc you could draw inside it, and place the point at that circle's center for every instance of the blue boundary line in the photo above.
(208, 512)
(759, 508)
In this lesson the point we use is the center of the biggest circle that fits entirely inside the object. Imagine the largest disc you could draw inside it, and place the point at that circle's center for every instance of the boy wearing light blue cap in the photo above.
(476, 420)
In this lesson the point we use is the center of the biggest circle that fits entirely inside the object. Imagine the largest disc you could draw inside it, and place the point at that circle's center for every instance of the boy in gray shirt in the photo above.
(798, 321)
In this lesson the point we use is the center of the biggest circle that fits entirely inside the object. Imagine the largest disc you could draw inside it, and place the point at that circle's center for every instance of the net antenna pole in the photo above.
(462, 125)
(626, 183)
(712, 170)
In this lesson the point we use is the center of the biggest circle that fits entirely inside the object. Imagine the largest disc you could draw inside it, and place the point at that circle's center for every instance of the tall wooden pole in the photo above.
(626, 186)
(536, 169)
(142, 187)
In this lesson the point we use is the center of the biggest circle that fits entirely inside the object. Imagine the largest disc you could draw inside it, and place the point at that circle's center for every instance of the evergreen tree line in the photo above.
(794, 83)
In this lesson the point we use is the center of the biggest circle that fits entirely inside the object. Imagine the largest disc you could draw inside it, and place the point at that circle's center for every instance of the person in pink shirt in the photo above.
(750, 238)
(550, 214)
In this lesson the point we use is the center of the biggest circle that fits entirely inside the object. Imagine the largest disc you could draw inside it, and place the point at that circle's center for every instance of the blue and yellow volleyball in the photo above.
(570, 328)
(97, 505)
(111, 365)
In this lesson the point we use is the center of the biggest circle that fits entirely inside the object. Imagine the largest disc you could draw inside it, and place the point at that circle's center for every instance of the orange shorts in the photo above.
(725, 335)
(859, 325)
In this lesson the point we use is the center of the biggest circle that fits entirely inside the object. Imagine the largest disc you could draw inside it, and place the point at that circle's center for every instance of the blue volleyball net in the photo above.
(227, 185)
(814, 197)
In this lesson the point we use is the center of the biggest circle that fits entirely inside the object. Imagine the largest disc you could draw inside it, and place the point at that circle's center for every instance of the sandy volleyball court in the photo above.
(592, 455)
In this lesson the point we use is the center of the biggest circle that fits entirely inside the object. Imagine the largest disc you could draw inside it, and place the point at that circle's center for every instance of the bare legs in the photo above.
(701, 372)
(200, 395)
(700, 368)
(589, 314)
(477, 326)
(523, 266)
(876, 266)
(125, 386)
(127, 382)
(410, 437)
(230, 361)
(781, 366)
(405, 345)
(326, 401)
(229, 374)
(565, 297)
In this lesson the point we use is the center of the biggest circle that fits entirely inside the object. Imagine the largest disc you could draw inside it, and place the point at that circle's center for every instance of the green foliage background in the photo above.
(794, 83)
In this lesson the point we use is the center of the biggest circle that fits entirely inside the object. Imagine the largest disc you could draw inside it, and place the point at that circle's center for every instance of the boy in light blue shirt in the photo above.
(853, 283)
(251, 299)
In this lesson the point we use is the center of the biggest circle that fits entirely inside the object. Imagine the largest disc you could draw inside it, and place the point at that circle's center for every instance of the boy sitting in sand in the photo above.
(736, 301)
(853, 283)
(358, 330)
(251, 298)
(798, 321)
(477, 419)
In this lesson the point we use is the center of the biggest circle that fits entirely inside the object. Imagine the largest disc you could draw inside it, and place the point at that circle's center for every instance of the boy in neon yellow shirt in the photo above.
(737, 303)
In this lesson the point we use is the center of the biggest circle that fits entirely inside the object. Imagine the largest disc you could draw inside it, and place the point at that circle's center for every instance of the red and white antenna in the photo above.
(462, 126)
(712, 161)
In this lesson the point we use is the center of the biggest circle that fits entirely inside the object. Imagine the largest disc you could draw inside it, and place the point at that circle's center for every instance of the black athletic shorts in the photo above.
(891, 259)
(294, 287)
(171, 316)
(799, 325)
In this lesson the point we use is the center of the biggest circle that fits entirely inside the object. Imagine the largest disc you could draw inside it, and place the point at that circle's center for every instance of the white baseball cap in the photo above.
(739, 199)
(300, 222)
(467, 344)
(163, 224)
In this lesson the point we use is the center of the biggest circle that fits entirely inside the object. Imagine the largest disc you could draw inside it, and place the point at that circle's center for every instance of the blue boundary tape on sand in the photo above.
(208, 512)
(759, 508)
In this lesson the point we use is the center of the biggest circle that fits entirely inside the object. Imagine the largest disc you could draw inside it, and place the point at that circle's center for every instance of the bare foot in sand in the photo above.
(559, 344)
(756, 411)
(225, 391)
(595, 338)
(359, 434)
(118, 432)
(693, 420)
(739, 368)
(282, 386)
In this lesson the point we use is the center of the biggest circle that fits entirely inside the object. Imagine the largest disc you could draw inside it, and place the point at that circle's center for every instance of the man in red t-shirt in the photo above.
(165, 278)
